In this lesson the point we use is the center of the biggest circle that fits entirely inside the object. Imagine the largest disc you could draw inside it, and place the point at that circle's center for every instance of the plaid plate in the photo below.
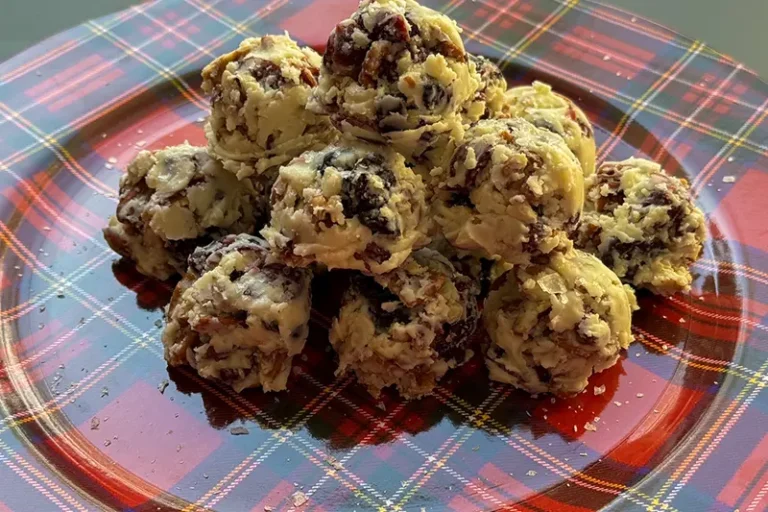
(91, 419)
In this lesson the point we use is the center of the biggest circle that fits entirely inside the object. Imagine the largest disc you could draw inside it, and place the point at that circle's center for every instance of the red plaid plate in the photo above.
(91, 418)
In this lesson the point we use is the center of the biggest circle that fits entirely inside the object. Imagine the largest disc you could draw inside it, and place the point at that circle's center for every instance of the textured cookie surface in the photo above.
(553, 326)
(511, 190)
(237, 316)
(406, 328)
(177, 198)
(396, 71)
(349, 206)
(259, 94)
(642, 223)
(546, 109)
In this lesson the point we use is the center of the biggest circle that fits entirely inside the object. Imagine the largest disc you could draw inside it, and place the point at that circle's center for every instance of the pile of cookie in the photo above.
(403, 169)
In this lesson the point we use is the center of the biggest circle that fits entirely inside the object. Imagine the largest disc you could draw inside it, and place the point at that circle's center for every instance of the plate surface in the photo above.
(91, 419)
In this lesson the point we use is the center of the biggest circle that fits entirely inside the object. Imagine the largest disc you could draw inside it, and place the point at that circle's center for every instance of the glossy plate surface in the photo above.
(91, 418)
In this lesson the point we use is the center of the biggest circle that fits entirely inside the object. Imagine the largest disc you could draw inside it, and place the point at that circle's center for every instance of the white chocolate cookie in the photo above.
(259, 94)
(392, 67)
(237, 316)
(546, 109)
(511, 190)
(178, 198)
(406, 328)
(643, 224)
(553, 326)
(349, 206)
(489, 99)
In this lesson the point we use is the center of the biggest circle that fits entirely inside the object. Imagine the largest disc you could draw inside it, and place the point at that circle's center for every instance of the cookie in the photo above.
(552, 326)
(546, 109)
(350, 206)
(642, 223)
(406, 328)
(489, 99)
(175, 199)
(237, 316)
(395, 66)
(511, 191)
(259, 94)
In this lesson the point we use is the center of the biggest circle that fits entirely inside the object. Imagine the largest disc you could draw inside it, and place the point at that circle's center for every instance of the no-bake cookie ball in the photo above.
(237, 316)
(546, 109)
(350, 206)
(175, 199)
(553, 326)
(259, 94)
(511, 190)
(406, 328)
(489, 99)
(395, 66)
(642, 223)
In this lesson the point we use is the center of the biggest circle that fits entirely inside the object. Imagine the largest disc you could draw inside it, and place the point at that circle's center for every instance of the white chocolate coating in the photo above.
(553, 326)
(408, 327)
(546, 109)
(512, 191)
(643, 224)
(238, 317)
(177, 198)
(259, 94)
(349, 206)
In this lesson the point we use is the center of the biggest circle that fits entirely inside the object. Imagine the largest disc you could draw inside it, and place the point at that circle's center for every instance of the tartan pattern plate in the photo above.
(91, 419)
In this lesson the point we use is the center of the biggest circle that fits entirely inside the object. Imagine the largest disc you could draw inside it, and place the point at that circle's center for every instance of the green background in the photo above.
(735, 27)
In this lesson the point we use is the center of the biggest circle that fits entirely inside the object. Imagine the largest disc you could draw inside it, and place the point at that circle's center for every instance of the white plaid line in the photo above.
(4, 458)
(249, 411)
(47, 295)
(53, 145)
(736, 141)
(427, 469)
(176, 32)
(282, 436)
(626, 60)
(647, 98)
(210, 9)
(91, 115)
(686, 357)
(759, 384)
(758, 498)
(640, 29)
(707, 100)
(708, 314)
(141, 87)
(62, 339)
(735, 270)
(544, 459)
(165, 71)
(78, 388)
(119, 20)
(747, 269)
(383, 425)
(379, 426)
(620, 96)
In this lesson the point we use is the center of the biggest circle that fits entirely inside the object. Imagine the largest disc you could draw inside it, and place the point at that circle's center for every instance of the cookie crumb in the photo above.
(112, 160)
(617, 403)
(729, 179)
(161, 387)
(299, 498)
(599, 390)
(640, 395)
(239, 431)
(590, 426)
(531, 473)
(95, 422)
